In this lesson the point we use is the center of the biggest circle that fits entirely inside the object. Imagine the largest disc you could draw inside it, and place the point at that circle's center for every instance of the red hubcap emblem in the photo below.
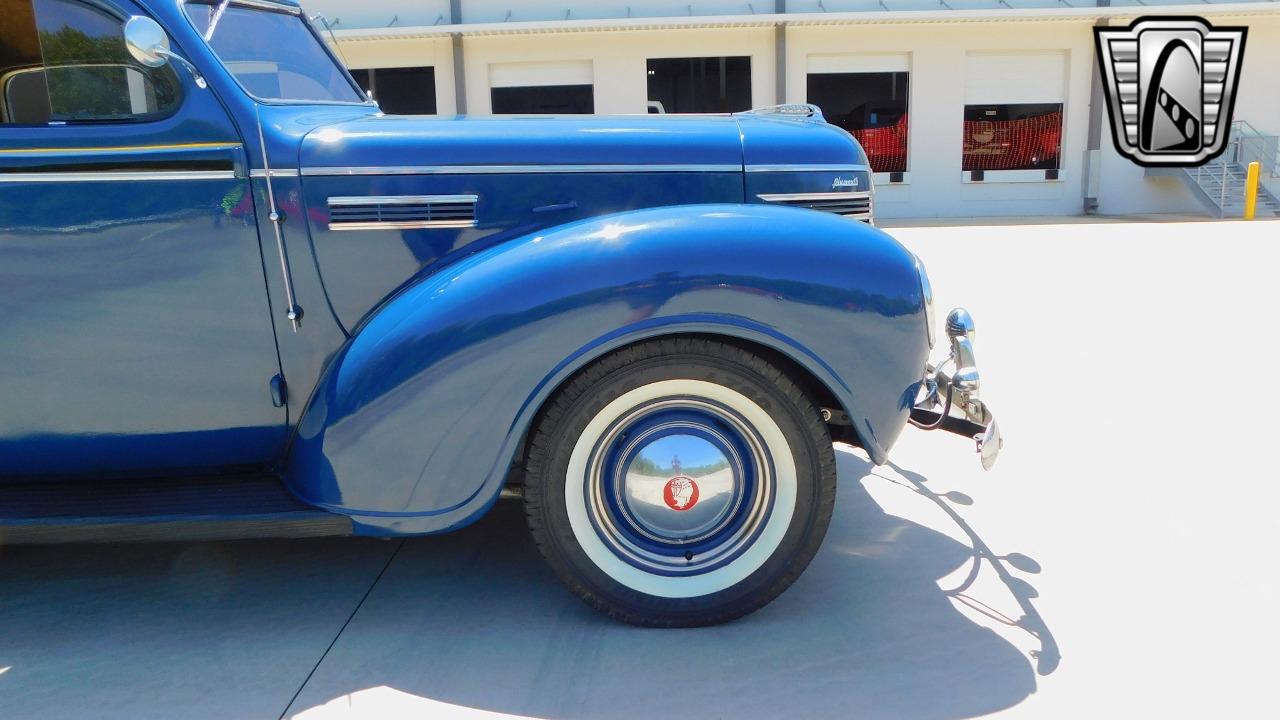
(680, 493)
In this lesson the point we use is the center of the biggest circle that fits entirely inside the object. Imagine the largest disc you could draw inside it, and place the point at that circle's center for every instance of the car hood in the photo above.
(725, 142)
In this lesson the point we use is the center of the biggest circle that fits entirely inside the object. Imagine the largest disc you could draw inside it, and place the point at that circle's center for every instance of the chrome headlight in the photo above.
(926, 291)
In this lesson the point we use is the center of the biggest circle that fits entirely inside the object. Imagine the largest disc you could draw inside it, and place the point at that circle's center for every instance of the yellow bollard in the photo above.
(1251, 190)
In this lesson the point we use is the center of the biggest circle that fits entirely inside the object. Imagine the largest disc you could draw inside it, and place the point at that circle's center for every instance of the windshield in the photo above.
(273, 55)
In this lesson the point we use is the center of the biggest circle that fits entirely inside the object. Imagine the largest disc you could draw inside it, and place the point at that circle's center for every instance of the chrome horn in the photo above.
(960, 324)
(961, 330)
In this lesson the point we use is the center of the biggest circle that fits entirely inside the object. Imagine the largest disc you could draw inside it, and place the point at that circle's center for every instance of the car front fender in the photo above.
(415, 424)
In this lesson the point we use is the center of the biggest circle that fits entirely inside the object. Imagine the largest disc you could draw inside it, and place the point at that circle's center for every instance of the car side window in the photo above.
(65, 61)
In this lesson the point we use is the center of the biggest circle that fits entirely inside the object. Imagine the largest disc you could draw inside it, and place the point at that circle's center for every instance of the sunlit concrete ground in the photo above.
(1120, 561)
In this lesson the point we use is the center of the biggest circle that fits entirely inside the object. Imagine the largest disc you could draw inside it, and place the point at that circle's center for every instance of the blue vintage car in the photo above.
(239, 300)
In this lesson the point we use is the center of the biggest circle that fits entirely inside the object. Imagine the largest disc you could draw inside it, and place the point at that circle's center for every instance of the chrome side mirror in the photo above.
(149, 44)
(146, 40)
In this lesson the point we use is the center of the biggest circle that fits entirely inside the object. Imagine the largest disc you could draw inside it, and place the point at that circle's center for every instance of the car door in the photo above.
(134, 321)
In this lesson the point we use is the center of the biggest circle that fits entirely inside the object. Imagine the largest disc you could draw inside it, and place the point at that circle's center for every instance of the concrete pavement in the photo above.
(1118, 561)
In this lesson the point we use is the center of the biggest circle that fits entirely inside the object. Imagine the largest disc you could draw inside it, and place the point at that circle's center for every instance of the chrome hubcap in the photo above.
(679, 486)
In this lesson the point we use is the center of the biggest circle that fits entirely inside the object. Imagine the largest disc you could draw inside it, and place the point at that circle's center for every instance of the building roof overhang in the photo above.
(800, 20)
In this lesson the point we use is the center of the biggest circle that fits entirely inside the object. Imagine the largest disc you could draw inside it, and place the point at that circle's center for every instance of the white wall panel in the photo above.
(938, 55)
(487, 11)
(415, 52)
(380, 13)
(615, 59)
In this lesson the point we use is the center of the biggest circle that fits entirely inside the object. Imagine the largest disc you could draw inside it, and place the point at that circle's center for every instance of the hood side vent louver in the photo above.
(855, 205)
(402, 212)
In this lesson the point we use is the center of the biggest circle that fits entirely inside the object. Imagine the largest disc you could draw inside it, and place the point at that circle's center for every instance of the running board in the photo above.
(191, 509)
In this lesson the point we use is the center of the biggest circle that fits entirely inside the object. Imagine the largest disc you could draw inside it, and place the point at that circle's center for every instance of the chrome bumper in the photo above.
(949, 394)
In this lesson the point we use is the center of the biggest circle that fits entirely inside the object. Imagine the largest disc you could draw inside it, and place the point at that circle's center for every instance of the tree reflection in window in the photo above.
(88, 70)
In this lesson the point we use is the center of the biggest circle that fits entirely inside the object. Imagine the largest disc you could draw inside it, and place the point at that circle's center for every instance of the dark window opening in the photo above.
(544, 100)
(873, 107)
(400, 91)
(1024, 136)
(363, 78)
(63, 61)
(700, 85)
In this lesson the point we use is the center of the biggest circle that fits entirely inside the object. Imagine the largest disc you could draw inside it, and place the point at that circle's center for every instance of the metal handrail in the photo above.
(1258, 146)
(1245, 145)
(1238, 126)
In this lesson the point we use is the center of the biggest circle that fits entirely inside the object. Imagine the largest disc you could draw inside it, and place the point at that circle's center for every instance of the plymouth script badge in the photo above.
(680, 493)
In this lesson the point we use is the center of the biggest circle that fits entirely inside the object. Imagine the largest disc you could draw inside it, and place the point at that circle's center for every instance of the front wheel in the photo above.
(679, 482)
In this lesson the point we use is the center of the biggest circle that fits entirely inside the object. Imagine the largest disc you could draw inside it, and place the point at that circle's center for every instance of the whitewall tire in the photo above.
(679, 482)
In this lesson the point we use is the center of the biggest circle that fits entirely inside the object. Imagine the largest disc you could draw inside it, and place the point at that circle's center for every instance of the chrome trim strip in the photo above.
(275, 172)
(121, 150)
(116, 176)
(786, 110)
(268, 5)
(866, 215)
(404, 225)
(524, 169)
(786, 197)
(807, 168)
(406, 200)
(400, 199)
(515, 169)
(317, 103)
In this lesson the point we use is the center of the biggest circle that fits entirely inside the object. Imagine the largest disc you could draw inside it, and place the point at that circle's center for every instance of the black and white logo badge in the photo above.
(1170, 86)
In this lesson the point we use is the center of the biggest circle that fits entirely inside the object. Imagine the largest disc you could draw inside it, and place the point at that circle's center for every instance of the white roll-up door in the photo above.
(859, 63)
(1026, 77)
(538, 74)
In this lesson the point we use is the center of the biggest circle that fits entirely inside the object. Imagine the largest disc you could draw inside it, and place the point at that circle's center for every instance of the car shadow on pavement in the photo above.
(172, 630)
(1047, 656)
(473, 621)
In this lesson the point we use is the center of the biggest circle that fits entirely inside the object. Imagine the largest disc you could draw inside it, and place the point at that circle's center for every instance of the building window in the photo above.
(400, 91)
(1013, 114)
(1024, 136)
(700, 85)
(543, 100)
(870, 105)
(557, 87)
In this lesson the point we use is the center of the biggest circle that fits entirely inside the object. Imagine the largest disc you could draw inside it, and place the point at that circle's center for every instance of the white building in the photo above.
(1026, 67)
